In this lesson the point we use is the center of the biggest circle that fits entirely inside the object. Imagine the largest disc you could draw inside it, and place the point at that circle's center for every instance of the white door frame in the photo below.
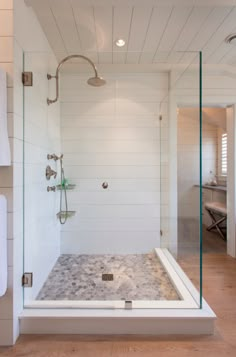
(231, 179)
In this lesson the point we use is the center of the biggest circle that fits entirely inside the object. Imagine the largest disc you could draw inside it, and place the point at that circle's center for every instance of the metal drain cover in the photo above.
(107, 277)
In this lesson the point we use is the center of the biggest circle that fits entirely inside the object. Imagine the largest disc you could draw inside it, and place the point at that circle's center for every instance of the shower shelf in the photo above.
(64, 214)
(68, 187)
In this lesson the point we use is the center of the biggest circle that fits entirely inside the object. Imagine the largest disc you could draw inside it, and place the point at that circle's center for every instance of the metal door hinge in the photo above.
(160, 117)
(161, 232)
(27, 79)
(27, 280)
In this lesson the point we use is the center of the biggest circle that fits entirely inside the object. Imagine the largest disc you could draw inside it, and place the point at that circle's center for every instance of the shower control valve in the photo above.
(54, 157)
(51, 188)
(49, 172)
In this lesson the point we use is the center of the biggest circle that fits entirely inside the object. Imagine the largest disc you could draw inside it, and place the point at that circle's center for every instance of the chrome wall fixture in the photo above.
(51, 188)
(54, 157)
(95, 81)
(50, 172)
(62, 187)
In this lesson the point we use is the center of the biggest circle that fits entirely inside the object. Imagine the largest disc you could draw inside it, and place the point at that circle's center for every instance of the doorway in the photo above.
(214, 177)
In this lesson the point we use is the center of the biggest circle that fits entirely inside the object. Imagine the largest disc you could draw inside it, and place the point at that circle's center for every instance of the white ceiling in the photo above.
(154, 31)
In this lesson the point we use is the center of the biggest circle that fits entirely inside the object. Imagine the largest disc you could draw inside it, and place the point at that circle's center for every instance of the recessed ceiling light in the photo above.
(120, 42)
(231, 39)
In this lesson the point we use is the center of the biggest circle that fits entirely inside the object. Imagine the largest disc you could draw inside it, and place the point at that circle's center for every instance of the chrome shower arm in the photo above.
(49, 76)
(76, 56)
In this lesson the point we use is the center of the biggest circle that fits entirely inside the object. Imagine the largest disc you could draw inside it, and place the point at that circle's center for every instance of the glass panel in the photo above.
(41, 136)
(95, 234)
(181, 208)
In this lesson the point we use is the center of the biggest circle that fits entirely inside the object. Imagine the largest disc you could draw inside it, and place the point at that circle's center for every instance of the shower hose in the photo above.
(63, 192)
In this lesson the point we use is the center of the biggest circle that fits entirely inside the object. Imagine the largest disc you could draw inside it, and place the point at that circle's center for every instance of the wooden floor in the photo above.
(220, 293)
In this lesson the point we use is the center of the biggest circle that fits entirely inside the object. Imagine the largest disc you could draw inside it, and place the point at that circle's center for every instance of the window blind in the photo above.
(224, 154)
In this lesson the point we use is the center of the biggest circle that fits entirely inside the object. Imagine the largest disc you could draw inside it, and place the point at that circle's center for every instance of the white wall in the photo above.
(112, 134)
(6, 173)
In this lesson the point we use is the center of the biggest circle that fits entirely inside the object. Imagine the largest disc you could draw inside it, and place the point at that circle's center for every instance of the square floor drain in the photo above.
(107, 277)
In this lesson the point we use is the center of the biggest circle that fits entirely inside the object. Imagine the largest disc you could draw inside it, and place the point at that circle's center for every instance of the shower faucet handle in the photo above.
(51, 188)
(54, 157)
(50, 172)
(50, 157)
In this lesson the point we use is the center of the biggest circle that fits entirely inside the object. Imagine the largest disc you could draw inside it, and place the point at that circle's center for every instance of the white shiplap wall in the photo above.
(112, 134)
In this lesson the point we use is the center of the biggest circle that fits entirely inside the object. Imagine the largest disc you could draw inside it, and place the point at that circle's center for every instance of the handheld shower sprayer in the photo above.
(63, 193)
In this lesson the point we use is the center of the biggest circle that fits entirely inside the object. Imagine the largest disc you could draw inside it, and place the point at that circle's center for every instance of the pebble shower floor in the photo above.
(136, 277)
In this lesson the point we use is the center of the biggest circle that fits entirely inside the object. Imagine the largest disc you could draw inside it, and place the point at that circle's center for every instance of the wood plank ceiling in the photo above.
(154, 33)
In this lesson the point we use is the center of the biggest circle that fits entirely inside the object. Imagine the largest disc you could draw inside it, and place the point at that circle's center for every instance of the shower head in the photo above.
(96, 81)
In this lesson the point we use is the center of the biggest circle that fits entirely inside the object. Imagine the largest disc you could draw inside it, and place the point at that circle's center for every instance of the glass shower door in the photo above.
(41, 136)
(181, 183)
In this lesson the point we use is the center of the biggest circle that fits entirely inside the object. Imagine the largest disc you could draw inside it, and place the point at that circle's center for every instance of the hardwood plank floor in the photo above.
(219, 291)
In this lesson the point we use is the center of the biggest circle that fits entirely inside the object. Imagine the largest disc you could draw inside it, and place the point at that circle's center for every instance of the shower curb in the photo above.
(143, 321)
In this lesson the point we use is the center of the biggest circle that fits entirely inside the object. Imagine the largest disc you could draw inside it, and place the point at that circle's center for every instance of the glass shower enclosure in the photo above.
(108, 214)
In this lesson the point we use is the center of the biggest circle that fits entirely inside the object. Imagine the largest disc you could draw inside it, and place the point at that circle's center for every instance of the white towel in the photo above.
(3, 245)
(5, 156)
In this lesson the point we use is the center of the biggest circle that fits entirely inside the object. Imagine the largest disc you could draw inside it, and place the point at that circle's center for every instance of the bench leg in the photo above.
(216, 223)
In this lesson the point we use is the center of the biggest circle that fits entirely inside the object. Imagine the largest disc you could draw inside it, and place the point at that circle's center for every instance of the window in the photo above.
(224, 154)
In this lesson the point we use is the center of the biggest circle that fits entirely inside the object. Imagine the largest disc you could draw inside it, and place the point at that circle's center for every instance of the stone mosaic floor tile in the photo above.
(136, 277)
